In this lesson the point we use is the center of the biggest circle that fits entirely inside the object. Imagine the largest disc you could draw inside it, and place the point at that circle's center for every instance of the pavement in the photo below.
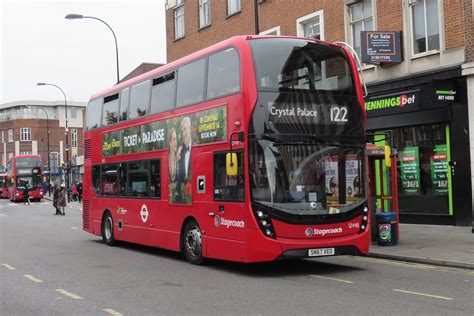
(449, 246)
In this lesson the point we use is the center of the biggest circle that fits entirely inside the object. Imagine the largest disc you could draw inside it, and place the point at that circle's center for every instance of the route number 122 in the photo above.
(338, 114)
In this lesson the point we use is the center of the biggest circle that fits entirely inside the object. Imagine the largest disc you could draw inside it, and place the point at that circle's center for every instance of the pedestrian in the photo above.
(62, 201)
(56, 198)
(79, 192)
(26, 194)
(74, 192)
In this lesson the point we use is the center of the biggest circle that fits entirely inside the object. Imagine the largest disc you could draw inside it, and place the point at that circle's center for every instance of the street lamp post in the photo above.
(65, 133)
(80, 16)
(49, 164)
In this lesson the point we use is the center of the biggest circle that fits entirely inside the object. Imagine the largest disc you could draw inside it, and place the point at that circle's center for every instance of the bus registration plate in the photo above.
(321, 252)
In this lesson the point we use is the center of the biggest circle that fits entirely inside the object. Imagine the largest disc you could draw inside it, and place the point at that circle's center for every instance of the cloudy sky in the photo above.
(37, 44)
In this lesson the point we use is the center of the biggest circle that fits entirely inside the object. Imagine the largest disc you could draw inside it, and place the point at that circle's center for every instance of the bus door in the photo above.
(383, 186)
(227, 219)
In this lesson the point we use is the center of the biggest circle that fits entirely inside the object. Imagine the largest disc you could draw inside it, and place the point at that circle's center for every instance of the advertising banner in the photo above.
(410, 171)
(439, 170)
(352, 177)
(207, 126)
(380, 47)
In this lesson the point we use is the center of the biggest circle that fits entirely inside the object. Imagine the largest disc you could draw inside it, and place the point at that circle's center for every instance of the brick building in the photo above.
(437, 55)
(24, 130)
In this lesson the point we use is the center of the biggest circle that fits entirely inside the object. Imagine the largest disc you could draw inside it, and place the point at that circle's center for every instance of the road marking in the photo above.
(32, 278)
(71, 295)
(74, 228)
(12, 204)
(112, 312)
(3, 214)
(404, 264)
(423, 294)
(9, 267)
(332, 279)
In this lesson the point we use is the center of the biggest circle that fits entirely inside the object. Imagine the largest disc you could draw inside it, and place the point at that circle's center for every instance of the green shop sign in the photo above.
(410, 171)
(439, 170)
(393, 102)
(206, 127)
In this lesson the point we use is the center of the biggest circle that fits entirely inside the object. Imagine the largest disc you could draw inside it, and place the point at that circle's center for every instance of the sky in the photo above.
(37, 44)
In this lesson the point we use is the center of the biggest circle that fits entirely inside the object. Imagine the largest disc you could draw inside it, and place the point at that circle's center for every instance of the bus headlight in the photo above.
(264, 221)
(365, 220)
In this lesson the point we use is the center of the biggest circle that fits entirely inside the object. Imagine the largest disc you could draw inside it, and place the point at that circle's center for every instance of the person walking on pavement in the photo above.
(62, 202)
(79, 192)
(56, 198)
(74, 192)
(26, 195)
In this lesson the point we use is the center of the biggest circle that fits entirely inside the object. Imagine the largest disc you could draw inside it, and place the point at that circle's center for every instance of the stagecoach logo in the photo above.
(144, 213)
(220, 221)
(322, 232)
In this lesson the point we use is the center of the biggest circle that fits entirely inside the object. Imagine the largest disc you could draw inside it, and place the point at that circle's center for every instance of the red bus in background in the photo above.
(250, 150)
(25, 171)
(3, 186)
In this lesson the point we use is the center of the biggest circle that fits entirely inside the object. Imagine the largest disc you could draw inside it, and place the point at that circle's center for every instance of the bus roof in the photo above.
(188, 58)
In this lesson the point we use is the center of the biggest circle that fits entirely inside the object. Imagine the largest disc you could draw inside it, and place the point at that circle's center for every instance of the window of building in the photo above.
(74, 138)
(204, 13)
(111, 108)
(233, 6)
(179, 21)
(10, 156)
(139, 99)
(73, 111)
(10, 135)
(273, 31)
(191, 83)
(228, 188)
(425, 26)
(361, 19)
(163, 93)
(25, 152)
(311, 25)
(223, 74)
(25, 134)
(3, 137)
(94, 114)
(124, 100)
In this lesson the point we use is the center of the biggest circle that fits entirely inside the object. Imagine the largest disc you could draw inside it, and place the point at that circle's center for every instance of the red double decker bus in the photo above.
(25, 171)
(3, 186)
(249, 150)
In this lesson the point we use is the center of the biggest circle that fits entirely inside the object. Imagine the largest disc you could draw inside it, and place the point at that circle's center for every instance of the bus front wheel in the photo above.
(108, 229)
(192, 242)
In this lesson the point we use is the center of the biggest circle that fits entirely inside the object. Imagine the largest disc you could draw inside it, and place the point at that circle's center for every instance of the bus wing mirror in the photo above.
(388, 158)
(231, 164)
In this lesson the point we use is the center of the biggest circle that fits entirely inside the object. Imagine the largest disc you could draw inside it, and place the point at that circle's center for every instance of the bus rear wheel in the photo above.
(108, 230)
(192, 243)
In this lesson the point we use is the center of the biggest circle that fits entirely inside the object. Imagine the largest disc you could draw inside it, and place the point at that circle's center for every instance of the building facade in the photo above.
(24, 129)
(434, 79)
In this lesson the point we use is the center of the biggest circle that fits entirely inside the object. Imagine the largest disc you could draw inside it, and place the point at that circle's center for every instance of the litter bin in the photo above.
(387, 231)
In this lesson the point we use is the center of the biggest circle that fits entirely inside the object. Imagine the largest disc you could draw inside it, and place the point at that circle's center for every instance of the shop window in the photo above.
(228, 188)
(422, 168)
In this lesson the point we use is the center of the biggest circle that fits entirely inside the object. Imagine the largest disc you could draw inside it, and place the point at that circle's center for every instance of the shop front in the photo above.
(425, 119)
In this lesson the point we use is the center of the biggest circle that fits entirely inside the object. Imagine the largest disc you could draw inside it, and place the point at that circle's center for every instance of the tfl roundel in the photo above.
(217, 221)
(308, 232)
